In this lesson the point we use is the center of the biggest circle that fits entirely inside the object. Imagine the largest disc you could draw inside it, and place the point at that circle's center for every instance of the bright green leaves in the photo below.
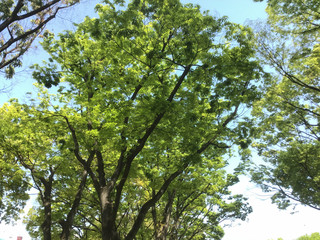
(149, 101)
(313, 236)
(39, 153)
(302, 160)
(13, 189)
(14, 182)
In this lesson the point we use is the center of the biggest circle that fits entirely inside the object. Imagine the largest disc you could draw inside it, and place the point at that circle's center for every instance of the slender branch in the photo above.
(225, 123)
(167, 214)
(36, 11)
(120, 163)
(85, 216)
(295, 199)
(27, 33)
(76, 151)
(193, 199)
(300, 108)
(285, 73)
(145, 208)
(67, 225)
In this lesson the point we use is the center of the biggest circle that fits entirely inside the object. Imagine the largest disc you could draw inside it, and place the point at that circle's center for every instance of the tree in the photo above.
(313, 236)
(289, 112)
(150, 100)
(294, 16)
(32, 148)
(21, 22)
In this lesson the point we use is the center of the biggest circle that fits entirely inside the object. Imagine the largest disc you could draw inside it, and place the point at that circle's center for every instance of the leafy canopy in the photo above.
(150, 99)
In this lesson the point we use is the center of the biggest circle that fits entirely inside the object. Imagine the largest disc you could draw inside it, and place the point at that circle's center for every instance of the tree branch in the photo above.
(145, 207)
(141, 142)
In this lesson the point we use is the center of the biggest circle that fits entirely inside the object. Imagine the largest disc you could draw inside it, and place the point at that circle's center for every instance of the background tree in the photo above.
(21, 21)
(294, 16)
(37, 151)
(313, 236)
(151, 98)
(289, 112)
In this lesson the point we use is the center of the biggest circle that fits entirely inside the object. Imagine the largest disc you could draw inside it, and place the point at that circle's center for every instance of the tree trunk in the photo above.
(46, 225)
(162, 234)
(109, 231)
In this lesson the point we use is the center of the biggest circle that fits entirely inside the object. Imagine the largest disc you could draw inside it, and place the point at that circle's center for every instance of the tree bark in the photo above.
(46, 225)
(67, 224)
(163, 231)
(109, 231)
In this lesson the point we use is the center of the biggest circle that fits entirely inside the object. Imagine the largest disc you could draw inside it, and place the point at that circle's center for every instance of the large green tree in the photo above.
(151, 98)
(289, 113)
(21, 21)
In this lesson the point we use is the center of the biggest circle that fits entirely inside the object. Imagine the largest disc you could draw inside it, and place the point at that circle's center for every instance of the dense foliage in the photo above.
(131, 146)
(148, 101)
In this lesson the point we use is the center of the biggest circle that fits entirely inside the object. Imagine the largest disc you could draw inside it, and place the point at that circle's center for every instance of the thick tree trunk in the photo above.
(109, 231)
(46, 225)
(66, 229)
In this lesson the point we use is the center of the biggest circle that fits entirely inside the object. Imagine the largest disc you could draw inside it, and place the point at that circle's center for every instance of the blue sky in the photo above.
(266, 222)
(237, 10)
